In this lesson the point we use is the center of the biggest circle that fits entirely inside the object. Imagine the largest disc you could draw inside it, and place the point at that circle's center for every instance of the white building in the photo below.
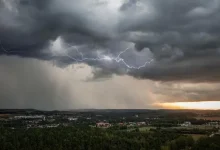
(186, 124)
(52, 126)
(72, 119)
(213, 124)
(141, 123)
(103, 125)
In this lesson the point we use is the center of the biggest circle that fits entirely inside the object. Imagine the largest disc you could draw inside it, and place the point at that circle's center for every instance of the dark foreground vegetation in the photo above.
(81, 139)
(78, 138)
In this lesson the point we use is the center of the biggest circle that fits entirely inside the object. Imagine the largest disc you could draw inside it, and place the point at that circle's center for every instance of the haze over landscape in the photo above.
(110, 54)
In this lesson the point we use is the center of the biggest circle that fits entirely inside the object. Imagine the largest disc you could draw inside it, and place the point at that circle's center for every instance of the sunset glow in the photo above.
(191, 105)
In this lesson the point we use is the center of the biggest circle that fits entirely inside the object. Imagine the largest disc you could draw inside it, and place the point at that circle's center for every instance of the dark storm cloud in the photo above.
(204, 69)
(183, 36)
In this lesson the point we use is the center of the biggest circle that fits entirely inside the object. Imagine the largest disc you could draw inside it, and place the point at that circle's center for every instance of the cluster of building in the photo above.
(103, 125)
(186, 124)
(129, 124)
(42, 126)
(72, 119)
(212, 124)
(29, 117)
(51, 120)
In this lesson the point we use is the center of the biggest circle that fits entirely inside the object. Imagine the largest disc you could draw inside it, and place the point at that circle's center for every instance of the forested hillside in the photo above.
(94, 139)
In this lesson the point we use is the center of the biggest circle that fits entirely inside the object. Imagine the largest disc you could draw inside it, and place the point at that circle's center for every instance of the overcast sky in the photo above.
(57, 54)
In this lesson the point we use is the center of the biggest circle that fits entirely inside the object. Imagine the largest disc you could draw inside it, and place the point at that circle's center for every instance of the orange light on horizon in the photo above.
(206, 105)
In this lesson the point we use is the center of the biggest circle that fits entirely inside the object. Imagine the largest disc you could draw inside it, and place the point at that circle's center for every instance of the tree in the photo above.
(190, 141)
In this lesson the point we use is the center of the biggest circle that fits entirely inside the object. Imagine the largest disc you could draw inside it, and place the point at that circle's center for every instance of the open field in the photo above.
(195, 127)
(209, 118)
(142, 129)
(146, 128)
(4, 115)
(197, 136)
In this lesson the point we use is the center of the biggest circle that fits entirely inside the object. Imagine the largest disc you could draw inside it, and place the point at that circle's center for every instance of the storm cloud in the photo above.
(154, 51)
(181, 37)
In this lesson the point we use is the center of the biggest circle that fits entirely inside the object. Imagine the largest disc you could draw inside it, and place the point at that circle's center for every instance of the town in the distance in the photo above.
(175, 125)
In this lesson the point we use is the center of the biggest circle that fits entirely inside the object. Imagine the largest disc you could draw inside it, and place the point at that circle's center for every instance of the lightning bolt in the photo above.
(117, 59)
(5, 50)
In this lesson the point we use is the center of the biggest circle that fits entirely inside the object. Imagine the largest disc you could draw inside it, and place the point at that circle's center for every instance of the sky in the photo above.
(118, 54)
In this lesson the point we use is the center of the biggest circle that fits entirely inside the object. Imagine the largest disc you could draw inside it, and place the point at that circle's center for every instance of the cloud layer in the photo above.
(177, 43)
(181, 37)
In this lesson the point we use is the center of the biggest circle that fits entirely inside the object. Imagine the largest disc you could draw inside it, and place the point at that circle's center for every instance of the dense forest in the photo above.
(78, 138)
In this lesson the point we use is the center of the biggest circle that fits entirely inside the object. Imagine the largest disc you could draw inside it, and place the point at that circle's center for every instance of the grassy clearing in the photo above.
(142, 129)
(209, 118)
(194, 127)
(196, 136)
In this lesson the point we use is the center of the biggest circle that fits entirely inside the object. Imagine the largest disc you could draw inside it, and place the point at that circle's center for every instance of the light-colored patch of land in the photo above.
(209, 118)
(196, 136)
(4, 115)
(146, 128)
(142, 129)
(195, 127)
